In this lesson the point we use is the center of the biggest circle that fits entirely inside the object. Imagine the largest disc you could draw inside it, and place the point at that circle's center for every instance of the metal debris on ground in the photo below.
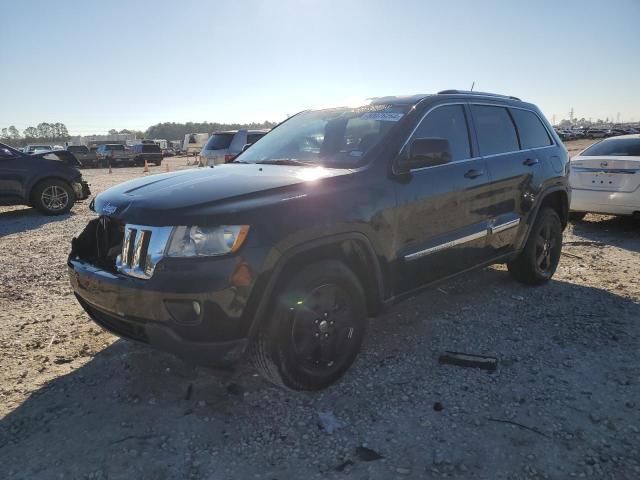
(469, 360)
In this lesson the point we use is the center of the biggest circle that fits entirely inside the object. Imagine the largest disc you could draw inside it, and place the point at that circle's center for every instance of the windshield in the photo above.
(619, 147)
(115, 147)
(336, 137)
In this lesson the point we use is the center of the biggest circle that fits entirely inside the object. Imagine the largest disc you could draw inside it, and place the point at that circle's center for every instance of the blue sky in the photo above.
(96, 65)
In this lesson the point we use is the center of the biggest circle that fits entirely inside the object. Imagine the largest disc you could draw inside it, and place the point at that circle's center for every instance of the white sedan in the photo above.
(605, 178)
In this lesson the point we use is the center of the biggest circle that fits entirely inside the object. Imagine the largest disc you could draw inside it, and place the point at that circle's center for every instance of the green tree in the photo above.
(14, 134)
(44, 131)
(30, 132)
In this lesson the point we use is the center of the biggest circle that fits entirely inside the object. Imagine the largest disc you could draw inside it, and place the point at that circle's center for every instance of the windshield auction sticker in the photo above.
(383, 116)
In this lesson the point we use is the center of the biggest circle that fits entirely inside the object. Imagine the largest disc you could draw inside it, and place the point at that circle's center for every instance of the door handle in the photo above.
(473, 173)
(530, 162)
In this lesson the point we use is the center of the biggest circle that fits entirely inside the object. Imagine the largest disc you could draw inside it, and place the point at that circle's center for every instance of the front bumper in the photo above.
(81, 189)
(159, 311)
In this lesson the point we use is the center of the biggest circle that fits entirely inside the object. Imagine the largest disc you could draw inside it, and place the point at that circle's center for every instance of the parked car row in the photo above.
(593, 133)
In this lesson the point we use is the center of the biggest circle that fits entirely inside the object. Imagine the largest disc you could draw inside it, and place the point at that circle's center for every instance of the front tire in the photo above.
(53, 197)
(315, 330)
(537, 263)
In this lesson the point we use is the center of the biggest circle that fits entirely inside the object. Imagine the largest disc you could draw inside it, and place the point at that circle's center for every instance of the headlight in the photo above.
(206, 241)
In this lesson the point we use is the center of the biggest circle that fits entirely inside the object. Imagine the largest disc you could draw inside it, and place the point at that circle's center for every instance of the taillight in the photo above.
(229, 158)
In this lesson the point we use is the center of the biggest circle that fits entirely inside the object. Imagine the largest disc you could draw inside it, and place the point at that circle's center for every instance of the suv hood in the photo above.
(171, 198)
(62, 156)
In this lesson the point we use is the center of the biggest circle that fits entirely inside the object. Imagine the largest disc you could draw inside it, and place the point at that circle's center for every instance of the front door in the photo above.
(13, 174)
(441, 227)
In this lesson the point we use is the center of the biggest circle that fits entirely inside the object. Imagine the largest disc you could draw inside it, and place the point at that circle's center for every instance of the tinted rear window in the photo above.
(115, 147)
(78, 149)
(254, 137)
(147, 148)
(623, 147)
(218, 141)
(496, 132)
(532, 132)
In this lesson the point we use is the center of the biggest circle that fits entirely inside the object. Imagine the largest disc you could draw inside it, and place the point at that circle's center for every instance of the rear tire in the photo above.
(315, 329)
(53, 197)
(537, 263)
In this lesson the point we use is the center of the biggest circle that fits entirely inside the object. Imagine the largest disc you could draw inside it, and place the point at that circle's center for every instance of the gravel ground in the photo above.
(76, 402)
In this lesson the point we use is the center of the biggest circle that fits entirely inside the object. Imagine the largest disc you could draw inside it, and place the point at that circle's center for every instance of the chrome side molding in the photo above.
(442, 246)
(493, 229)
(504, 226)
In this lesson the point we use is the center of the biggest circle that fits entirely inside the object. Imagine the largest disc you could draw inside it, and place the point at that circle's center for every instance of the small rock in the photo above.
(329, 422)
(367, 455)
(438, 407)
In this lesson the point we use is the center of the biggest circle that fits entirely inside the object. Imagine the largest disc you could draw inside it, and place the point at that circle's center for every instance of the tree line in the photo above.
(43, 132)
(57, 133)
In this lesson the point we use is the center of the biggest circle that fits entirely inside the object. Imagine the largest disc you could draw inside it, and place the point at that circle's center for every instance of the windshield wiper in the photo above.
(284, 161)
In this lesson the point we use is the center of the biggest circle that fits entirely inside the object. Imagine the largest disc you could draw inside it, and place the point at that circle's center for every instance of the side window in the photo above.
(447, 122)
(532, 132)
(495, 129)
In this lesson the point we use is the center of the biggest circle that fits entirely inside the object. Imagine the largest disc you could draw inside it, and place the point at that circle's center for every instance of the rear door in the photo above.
(514, 172)
(441, 227)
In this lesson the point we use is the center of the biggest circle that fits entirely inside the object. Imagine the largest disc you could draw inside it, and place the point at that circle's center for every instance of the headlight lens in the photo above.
(206, 241)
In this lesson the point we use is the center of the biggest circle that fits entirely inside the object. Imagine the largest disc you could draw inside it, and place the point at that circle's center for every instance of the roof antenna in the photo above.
(472, 85)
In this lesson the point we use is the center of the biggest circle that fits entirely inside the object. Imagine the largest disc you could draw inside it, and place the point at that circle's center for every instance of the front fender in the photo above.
(277, 262)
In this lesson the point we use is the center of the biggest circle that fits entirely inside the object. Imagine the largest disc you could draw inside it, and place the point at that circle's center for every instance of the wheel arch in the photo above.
(353, 249)
(32, 188)
(558, 199)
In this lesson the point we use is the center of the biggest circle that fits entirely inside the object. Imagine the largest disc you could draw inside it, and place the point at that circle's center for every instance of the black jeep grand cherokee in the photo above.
(330, 217)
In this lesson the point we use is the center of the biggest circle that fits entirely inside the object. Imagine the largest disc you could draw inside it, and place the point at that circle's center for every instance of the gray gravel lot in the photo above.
(76, 402)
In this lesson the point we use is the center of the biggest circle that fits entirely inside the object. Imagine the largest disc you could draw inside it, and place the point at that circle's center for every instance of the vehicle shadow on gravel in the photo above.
(132, 412)
(622, 232)
(25, 219)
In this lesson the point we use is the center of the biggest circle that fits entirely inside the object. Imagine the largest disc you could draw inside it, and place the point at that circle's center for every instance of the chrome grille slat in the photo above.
(142, 248)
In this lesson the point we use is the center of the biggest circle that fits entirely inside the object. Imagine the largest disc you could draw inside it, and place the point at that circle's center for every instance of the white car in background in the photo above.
(223, 147)
(605, 178)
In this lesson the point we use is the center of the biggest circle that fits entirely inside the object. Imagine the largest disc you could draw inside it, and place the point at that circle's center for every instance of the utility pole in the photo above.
(571, 115)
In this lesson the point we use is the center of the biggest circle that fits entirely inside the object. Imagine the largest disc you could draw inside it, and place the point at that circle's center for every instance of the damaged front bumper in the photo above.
(81, 189)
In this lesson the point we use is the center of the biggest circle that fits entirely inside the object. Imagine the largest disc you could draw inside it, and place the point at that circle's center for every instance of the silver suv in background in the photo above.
(222, 147)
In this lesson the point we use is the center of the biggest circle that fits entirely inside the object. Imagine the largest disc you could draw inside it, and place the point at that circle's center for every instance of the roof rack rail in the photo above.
(482, 94)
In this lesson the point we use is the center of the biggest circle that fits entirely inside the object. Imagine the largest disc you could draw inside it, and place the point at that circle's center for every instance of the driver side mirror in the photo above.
(425, 152)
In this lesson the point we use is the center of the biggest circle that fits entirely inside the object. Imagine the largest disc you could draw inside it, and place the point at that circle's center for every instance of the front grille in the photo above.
(99, 243)
(142, 248)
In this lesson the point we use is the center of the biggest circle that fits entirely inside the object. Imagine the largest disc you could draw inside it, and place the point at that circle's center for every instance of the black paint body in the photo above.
(370, 217)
